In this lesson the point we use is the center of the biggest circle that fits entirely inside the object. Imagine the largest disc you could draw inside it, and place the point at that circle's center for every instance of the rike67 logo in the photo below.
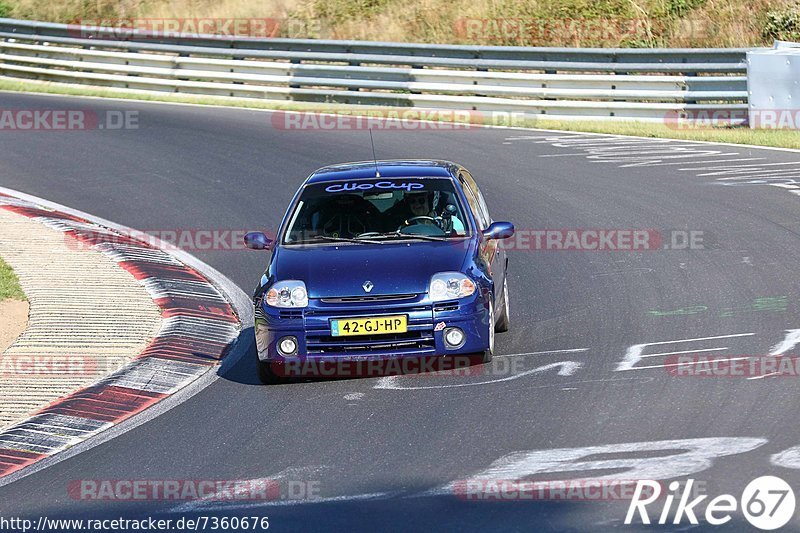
(767, 502)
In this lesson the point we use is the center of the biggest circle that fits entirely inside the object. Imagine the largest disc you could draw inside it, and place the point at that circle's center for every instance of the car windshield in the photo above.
(377, 209)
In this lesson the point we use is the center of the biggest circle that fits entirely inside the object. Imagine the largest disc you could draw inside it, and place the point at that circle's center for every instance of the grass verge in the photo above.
(586, 23)
(732, 135)
(9, 284)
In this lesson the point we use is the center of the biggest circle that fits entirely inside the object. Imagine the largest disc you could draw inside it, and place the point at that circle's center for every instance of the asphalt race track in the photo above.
(385, 453)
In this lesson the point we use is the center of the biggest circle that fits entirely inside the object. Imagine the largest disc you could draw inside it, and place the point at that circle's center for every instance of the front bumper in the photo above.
(424, 338)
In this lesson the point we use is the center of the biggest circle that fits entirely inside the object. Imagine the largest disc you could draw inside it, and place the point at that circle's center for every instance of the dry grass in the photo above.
(607, 23)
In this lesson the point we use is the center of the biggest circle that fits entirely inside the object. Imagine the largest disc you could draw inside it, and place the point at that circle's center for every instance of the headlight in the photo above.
(450, 286)
(290, 293)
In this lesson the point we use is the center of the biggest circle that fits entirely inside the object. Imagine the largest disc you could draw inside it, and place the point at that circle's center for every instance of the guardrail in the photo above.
(640, 84)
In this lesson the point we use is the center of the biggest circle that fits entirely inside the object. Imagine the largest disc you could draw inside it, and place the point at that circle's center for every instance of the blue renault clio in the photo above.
(381, 260)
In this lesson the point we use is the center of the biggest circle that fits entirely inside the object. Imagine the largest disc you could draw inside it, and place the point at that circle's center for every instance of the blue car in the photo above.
(378, 261)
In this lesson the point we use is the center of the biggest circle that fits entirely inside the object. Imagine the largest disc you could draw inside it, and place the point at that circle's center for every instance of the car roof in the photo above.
(399, 168)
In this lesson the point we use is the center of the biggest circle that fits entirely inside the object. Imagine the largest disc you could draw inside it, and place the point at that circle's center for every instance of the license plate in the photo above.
(369, 326)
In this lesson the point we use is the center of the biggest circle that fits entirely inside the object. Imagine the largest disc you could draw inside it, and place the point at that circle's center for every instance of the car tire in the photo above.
(487, 355)
(504, 318)
(267, 376)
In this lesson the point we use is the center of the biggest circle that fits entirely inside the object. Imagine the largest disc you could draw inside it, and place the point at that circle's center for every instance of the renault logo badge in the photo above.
(368, 286)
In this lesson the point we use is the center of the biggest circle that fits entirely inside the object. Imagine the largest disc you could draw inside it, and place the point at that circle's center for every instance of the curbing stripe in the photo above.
(14, 460)
(88, 317)
(104, 403)
(124, 253)
(182, 288)
(206, 329)
(152, 374)
(198, 328)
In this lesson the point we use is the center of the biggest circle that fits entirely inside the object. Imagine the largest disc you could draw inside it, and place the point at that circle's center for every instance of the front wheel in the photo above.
(504, 319)
(487, 355)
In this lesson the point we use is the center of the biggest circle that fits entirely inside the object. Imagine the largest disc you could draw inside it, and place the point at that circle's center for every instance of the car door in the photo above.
(490, 251)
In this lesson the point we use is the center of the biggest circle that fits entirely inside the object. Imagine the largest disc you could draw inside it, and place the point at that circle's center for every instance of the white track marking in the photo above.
(739, 169)
(700, 339)
(713, 162)
(764, 376)
(761, 178)
(634, 353)
(685, 351)
(757, 172)
(354, 396)
(759, 165)
(669, 365)
(573, 350)
(688, 456)
(787, 458)
(701, 159)
(566, 368)
(789, 342)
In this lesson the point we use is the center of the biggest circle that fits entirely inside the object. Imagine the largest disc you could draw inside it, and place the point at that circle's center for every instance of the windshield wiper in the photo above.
(397, 234)
(343, 239)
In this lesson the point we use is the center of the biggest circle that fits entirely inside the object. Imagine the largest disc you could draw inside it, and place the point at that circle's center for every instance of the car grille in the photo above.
(417, 340)
(445, 306)
(379, 298)
(411, 341)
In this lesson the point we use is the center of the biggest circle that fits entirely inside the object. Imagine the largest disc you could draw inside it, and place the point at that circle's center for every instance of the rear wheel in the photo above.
(267, 374)
(504, 318)
(487, 355)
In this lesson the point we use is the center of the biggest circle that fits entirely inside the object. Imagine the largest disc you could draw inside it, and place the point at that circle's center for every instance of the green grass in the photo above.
(9, 285)
(733, 135)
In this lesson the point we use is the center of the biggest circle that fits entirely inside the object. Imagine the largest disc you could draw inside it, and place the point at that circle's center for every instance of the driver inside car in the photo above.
(420, 204)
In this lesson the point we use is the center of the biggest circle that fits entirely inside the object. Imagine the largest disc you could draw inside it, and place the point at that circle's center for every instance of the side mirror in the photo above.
(256, 240)
(499, 230)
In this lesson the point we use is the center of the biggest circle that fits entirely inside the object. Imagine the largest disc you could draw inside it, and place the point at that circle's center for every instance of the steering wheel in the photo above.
(413, 220)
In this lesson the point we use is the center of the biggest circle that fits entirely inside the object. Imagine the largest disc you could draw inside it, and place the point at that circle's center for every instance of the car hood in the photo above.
(393, 268)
